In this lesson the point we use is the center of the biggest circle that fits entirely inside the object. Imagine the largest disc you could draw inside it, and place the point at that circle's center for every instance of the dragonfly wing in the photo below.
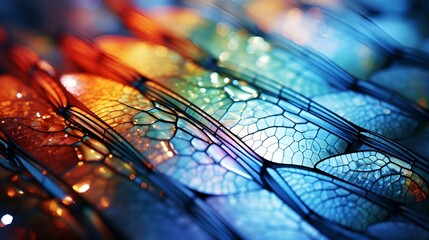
(242, 52)
(383, 230)
(418, 142)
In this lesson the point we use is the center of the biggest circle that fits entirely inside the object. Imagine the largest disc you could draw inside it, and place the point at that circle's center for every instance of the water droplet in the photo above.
(241, 91)
(67, 200)
(81, 187)
(6, 219)
(104, 202)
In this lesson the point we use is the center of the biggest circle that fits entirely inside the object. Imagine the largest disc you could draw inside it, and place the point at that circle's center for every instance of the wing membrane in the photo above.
(239, 51)
(86, 164)
(237, 106)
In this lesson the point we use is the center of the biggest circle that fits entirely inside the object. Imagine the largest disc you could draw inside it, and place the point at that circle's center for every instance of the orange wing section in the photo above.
(37, 73)
(93, 59)
(35, 126)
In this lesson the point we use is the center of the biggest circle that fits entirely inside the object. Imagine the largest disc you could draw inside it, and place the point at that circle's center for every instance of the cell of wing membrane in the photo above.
(416, 86)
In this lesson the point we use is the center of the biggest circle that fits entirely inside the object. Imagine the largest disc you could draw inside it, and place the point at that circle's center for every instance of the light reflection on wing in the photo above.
(312, 27)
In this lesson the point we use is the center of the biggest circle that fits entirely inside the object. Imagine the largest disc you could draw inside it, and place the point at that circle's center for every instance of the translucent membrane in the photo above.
(366, 105)
(381, 202)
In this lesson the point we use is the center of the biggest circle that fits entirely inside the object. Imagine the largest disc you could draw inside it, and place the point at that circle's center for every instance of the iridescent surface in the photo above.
(179, 149)
(240, 134)
(172, 143)
(403, 185)
(237, 50)
(273, 128)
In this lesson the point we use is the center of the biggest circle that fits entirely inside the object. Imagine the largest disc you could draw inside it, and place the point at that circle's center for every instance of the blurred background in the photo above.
(35, 22)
